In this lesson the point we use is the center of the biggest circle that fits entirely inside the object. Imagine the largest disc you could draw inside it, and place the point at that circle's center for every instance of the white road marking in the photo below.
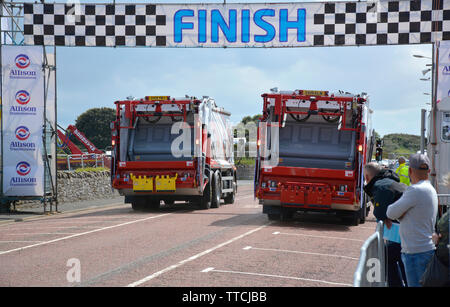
(298, 252)
(174, 266)
(280, 276)
(18, 241)
(52, 227)
(314, 236)
(207, 270)
(39, 233)
(83, 233)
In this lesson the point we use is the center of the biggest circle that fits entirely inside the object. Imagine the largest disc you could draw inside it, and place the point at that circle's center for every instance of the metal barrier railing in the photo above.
(372, 266)
(76, 161)
(371, 269)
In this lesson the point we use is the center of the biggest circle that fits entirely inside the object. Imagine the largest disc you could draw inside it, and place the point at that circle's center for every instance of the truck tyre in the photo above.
(152, 204)
(229, 199)
(205, 199)
(136, 205)
(216, 190)
(273, 216)
(286, 214)
(352, 219)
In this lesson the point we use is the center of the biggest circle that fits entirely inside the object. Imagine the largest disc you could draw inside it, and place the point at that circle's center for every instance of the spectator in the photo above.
(441, 238)
(402, 171)
(416, 210)
(384, 187)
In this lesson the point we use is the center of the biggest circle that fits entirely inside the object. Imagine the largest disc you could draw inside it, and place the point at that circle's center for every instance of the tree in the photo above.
(95, 124)
(253, 118)
(396, 144)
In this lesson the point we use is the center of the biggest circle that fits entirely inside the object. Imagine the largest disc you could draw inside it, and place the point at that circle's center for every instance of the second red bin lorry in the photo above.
(169, 149)
(312, 147)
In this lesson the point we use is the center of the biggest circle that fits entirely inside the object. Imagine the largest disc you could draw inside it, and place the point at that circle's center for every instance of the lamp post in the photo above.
(433, 139)
(423, 111)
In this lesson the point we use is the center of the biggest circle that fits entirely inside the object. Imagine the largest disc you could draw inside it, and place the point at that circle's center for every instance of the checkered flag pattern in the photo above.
(93, 25)
(383, 22)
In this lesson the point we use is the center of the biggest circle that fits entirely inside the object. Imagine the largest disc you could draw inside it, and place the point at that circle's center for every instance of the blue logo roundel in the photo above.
(22, 133)
(22, 61)
(23, 168)
(23, 97)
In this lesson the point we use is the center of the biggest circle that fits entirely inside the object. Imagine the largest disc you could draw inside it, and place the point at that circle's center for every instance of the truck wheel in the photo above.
(229, 199)
(216, 190)
(205, 199)
(153, 204)
(136, 205)
(352, 219)
(273, 216)
(286, 214)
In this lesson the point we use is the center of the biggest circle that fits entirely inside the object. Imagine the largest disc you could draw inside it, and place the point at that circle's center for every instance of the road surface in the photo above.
(232, 246)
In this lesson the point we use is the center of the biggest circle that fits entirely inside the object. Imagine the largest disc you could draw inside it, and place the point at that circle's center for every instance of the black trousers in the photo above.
(395, 269)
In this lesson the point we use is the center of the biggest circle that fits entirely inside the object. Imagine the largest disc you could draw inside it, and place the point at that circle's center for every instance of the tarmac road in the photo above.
(232, 246)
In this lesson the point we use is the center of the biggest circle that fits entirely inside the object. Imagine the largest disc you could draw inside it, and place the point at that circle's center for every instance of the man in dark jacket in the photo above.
(384, 188)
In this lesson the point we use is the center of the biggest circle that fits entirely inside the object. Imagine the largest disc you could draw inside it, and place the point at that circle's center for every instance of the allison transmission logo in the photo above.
(22, 98)
(22, 134)
(23, 169)
(22, 61)
(24, 71)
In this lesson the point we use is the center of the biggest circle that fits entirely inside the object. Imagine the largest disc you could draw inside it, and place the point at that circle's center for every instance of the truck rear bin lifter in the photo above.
(173, 149)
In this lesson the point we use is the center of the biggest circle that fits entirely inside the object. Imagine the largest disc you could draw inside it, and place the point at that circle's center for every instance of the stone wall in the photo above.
(73, 186)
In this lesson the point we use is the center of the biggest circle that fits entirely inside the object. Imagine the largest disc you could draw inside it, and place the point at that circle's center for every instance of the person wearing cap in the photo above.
(402, 171)
(416, 211)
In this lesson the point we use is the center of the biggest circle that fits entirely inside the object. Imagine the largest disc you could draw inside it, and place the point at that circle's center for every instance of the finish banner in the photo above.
(22, 120)
(296, 24)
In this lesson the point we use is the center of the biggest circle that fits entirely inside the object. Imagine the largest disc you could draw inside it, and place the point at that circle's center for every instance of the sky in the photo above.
(89, 77)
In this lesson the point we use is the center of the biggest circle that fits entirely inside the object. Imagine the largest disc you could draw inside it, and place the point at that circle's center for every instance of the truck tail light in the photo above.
(343, 188)
(360, 148)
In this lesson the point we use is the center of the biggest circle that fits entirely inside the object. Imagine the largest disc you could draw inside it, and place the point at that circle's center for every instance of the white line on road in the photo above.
(298, 252)
(83, 233)
(53, 227)
(19, 241)
(314, 236)
(39, 233)
(277, 276)
(172, 267)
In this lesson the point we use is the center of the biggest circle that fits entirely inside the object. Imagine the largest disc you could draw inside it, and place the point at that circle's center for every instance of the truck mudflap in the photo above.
(306, 195)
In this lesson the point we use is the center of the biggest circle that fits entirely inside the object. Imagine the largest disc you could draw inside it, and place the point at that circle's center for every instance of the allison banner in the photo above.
(22, 120)
(295, 24)
(443, 71)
